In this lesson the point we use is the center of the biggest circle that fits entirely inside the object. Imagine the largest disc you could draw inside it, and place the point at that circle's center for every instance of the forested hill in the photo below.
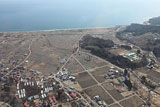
(146, 37)
(139, 29)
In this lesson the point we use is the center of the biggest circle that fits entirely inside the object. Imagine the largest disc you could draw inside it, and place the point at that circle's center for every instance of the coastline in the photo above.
(89, 28)
(57, 29)
(145, 22)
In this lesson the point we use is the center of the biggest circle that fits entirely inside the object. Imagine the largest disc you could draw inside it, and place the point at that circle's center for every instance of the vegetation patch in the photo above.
(101, 48)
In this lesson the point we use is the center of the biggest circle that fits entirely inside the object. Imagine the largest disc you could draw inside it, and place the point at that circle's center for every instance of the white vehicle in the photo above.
(21, 91)
(42, 96)
(32, 83)
(51, 88)
(24, 95)
(18, 92)
(36, 96)
(72, 77)
(54, 83)
(45, 95)
(104, 104)
(26, 61)
(116, 71)
(106, 76)
(18, 86)
(24, 90)
(96, 98)
(19, 95)
(45, 90)
(25, 84)
(111, 70)
(99, 101)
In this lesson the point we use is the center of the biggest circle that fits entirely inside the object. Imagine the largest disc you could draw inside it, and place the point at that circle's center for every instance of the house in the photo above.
(36, 96)
(50, 99)
(84, 95)
(36, 104)
(63, 61)
(70, 98)
(87, 58)
(26, 104)
(73, 95)
(54, 99)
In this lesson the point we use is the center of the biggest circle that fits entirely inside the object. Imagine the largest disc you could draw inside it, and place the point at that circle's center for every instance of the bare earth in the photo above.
(45, 49)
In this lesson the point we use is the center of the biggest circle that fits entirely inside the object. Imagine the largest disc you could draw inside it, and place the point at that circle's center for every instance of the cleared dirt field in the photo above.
(94, 62)
(97, 90)
(132, 102)
(119, 51)
(113, 91)
(13, 48)
(99, 73)
(73, 66)
(151, 74)
(48, 47)
(44, 58)
(85, 80)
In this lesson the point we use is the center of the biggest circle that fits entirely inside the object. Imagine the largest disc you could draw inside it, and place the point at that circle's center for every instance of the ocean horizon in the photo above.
(40, 15)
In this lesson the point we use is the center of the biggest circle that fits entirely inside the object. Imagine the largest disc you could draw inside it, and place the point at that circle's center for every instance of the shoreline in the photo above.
(144, 22)
(89, 28)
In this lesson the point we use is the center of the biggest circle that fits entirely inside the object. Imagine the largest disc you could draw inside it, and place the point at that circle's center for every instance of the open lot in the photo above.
(113, 91)
(48, 47)
(94, 62)
(73, 66)
(97, 90)
(99, 73)
(119, 51)
(85, 80)
(44, 57)
(151, 74)
(132, 102)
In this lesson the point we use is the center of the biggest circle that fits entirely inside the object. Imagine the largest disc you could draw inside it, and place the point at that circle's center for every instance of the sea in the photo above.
(36, 15)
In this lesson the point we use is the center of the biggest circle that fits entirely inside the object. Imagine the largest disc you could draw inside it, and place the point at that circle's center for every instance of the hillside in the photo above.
(102, 48)
(154, 21)
(139, 29)
(146, 37)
